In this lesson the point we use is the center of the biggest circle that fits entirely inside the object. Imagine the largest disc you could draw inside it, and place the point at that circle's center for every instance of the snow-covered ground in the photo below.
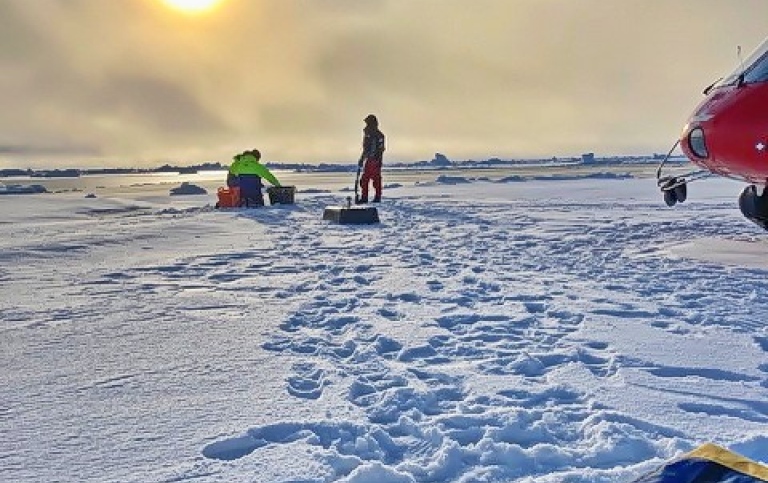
(569, 330)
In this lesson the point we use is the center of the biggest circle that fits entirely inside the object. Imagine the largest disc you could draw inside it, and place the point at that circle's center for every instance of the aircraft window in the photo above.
(758, 72)
(754, 68)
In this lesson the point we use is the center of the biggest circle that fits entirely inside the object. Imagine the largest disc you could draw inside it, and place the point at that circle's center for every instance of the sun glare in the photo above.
(192, 6)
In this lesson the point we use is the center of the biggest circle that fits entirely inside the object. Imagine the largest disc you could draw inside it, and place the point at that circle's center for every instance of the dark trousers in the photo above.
(371, 172)
(250, 190)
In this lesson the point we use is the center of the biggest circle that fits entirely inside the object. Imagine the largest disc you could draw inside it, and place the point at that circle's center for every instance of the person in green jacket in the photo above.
(247, 172)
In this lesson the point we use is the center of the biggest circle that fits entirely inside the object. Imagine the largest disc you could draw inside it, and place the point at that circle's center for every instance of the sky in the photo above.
(138, 83)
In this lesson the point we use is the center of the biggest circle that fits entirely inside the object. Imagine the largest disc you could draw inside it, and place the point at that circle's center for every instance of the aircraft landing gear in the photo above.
(754, 207)
(675, 190)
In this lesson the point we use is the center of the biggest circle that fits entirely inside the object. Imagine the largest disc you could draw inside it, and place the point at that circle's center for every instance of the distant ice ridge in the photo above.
(567, 177)
(18, 189)
(454, 180)
(187, 188)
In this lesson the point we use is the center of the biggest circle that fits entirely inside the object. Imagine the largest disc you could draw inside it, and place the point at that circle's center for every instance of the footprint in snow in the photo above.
(308, 383)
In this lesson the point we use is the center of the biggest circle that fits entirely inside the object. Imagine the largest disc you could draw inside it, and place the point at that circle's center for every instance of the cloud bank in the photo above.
(132, 82)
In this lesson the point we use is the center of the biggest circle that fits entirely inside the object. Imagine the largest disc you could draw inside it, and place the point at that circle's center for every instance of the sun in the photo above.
(192, 6)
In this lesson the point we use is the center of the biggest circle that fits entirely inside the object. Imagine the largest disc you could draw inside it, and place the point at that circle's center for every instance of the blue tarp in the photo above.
(709, 464)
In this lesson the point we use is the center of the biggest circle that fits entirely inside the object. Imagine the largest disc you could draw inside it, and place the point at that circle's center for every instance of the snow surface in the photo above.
(534, 330)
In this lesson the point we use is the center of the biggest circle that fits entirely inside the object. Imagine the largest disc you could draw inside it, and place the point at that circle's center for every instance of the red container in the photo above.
(229, 197)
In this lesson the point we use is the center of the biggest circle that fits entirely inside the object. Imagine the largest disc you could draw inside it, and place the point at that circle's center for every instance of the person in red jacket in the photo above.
(373, 153)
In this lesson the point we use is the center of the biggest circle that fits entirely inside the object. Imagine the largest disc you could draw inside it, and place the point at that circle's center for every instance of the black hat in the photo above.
(371, 119)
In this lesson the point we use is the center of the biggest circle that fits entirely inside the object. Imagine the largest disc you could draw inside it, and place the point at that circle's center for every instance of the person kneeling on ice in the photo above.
(247, 172)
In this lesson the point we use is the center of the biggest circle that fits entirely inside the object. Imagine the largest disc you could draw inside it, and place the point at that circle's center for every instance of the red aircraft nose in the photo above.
(728, 132)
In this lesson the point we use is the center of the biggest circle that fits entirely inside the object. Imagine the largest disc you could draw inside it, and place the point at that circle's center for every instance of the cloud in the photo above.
(42, 150)
(160, 106)
(136, 80)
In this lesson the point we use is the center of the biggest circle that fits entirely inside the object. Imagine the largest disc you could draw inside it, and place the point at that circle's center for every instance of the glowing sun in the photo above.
(192, 6)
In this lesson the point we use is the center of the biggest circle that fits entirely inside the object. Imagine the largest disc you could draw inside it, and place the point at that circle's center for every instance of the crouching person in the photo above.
(247, 172)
